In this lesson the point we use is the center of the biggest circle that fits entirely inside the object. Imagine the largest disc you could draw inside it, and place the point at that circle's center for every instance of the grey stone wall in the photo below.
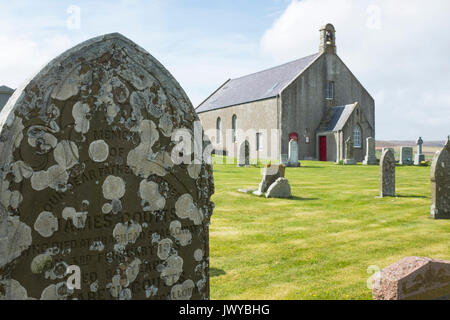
(258, 115)
(304, 104)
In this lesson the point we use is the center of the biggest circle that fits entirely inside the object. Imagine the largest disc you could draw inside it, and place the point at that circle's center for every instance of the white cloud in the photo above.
(398, 49)
(23, 56)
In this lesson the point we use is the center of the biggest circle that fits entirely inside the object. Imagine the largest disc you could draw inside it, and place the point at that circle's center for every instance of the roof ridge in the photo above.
(6, 89)
(257, 86)
(275, 67)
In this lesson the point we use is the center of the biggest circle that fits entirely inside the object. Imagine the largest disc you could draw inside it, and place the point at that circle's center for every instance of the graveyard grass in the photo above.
(321, 243)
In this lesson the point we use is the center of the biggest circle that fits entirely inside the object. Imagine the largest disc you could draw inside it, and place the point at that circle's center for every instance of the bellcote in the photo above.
(327, 39)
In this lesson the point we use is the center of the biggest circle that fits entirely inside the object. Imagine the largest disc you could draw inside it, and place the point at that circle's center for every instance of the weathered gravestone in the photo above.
(88, 181)
(387, 174)
(293, 154)
(406, 156)
(270, 174)
(244, 154)
(370, 158)
(440, 184)
(413, 278)
(279, 189)
(349, 152)
(419, 157)
(392, 149)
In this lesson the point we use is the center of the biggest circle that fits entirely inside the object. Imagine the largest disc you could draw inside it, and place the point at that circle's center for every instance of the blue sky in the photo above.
(397, 49)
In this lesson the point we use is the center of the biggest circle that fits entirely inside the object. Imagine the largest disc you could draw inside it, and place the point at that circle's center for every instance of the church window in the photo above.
(218, 130)
(259, 145)
(329, 90)
(234, 127)
(357, 136)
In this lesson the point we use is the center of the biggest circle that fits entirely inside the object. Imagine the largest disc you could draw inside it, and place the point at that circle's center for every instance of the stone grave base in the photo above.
(439, 215)
(246, 190)
(418, 159)
(349, 162)
(370, 161)
(294, 165)
(258, 193)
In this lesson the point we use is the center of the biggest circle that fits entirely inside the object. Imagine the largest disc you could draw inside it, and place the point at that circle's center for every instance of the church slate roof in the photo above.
(339, 117)
(5, 89)
(5, 93)
(257, 86)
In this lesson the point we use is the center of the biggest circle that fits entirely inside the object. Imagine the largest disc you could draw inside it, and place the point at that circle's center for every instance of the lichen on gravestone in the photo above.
(88, 180)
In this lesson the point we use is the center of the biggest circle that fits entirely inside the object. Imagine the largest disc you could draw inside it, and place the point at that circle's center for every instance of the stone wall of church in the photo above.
(348, 88)
(254, 117)
(304, 104)
(303, 107)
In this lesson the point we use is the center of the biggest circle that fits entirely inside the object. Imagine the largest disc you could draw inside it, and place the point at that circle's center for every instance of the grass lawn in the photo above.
(319, 244)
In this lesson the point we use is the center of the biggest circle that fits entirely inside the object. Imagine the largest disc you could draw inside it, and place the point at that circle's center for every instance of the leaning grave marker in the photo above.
(88, 180)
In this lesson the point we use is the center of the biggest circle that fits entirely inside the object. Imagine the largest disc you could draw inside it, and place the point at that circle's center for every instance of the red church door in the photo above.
(323, 148)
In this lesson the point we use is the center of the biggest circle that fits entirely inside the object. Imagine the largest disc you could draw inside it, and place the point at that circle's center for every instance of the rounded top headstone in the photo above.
(93, 177)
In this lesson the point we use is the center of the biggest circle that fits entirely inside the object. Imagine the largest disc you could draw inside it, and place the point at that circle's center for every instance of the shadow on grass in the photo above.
(214, 272)
(295, 198)
(409, 196)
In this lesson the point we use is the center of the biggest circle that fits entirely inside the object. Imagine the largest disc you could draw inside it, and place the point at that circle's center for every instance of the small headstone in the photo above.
(413, 278)
(349, 152)
(271, 173)
(370, 158)
(406, 156)
(244, 154)
(440, 184)
(89, 183)
(293, 154)
(279, 189)
(419, 157)
(387, 174)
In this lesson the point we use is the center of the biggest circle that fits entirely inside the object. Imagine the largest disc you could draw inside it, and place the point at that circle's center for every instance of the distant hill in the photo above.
(406, 143)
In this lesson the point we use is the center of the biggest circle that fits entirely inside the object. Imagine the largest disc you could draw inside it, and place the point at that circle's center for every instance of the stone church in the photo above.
(316, 100)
